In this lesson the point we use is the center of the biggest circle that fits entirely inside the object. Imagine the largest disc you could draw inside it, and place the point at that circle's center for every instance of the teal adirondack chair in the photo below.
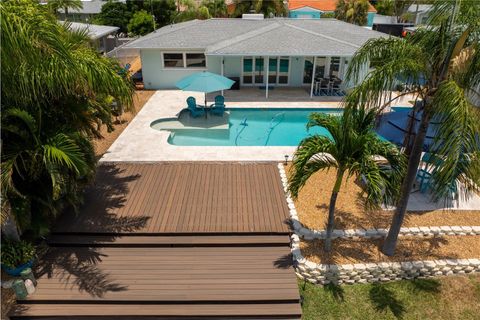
(192, 107)
(218, 108)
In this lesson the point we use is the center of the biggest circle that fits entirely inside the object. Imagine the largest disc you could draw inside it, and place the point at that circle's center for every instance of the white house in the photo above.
(98, 34)
(254, 52)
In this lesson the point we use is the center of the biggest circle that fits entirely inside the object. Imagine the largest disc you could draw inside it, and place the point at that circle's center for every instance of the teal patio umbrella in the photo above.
(205, 82)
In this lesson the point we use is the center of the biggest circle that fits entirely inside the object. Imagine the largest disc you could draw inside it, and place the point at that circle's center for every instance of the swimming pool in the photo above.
(254, 127)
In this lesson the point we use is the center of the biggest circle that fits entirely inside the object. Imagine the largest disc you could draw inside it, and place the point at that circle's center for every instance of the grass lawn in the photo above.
(441, 298)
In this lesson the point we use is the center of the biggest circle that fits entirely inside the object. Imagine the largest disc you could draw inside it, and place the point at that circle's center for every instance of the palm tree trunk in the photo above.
(407, 185)
(10, 230)
(331, 210)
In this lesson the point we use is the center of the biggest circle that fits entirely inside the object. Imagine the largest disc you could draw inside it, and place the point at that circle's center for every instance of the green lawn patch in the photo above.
(441, 298)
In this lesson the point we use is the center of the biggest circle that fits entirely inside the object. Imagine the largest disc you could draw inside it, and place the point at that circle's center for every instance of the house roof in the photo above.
(322, 5)
(94, 31)
(263, 37)
(422, 8)
(89, 7)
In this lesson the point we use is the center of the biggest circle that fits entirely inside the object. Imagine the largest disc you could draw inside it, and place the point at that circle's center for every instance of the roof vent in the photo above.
(252, 16)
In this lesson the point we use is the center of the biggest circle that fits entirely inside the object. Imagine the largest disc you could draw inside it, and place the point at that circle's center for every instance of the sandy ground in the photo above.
(313, 200)
(345, 251)
(139, 100)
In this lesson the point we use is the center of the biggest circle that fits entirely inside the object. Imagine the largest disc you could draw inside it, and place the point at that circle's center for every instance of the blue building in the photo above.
(316, 9)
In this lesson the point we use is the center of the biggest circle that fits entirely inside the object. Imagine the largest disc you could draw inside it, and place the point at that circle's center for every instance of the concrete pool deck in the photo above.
(140, 142)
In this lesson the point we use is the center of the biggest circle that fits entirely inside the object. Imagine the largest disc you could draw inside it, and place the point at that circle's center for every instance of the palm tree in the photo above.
(430, 54)
(352, 148)
(268, 8)
(40, 168)
(65, 5)
(54, 97)
(352, 11)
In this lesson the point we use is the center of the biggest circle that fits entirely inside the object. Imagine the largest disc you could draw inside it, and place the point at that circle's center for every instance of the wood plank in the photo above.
(152, 274)
(170, 241)
(181, 198)
(290, 310)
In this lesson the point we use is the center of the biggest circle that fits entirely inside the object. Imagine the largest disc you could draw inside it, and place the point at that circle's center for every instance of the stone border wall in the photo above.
(373, 233)
(376, 272)
(308, 234)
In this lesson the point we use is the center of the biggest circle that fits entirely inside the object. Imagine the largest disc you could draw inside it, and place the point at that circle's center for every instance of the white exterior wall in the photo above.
(157, 77)
(232, 66)
(296, 71)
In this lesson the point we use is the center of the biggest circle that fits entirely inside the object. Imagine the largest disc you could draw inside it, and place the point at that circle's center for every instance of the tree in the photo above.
(430, 53)
(385, 7)
(65, 5)
(191, 12)
(203, 13)
(350, 148)
(352, 11)
(267, 7)
(401, 7)
(216, 8)
(164, 11)
(54, 94)
(114, 13)
(141, 23)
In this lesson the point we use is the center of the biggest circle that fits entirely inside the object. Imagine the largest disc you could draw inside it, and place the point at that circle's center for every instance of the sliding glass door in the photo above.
(254, 73)
(259, 68)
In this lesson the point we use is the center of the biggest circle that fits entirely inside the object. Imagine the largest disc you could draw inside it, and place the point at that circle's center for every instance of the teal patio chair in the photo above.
(192, 107)
(218, 108)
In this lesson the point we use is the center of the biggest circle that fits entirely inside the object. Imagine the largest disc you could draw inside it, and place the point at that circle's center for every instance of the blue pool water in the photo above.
(254, 127)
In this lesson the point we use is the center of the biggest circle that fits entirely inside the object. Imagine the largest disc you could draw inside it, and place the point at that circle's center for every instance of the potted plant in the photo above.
(17, 256)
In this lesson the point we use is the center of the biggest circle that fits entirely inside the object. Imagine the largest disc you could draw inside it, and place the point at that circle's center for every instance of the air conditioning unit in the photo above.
(252, 16)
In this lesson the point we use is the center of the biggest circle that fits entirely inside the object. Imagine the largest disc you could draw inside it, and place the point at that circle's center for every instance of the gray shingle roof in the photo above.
(94, 31)
(265, 37)
(89, 7)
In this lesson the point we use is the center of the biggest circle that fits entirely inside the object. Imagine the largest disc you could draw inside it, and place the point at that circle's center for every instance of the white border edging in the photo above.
(376, 272)
(373, 233)
(372, 272)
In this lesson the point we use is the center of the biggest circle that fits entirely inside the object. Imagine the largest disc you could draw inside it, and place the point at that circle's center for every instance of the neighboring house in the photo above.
(314, 9)
(102, 37)
(419, 13)
(255, 52)
(90, 9)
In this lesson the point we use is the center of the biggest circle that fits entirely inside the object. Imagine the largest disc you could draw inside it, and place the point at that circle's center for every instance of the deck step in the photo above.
(159, 311)
(169, 241)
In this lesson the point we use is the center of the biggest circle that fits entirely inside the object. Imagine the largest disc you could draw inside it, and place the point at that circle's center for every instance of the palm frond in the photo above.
(313, 154)
(61, 150)
(457, 139)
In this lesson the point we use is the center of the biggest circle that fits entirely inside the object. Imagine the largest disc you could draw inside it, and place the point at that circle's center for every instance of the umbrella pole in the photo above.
(205, 108)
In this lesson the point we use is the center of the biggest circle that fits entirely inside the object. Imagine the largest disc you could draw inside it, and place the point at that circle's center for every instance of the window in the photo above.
(335, 66)
(196, 60)
(272, 70)
(283, 71)
(247, 70)
(173, 60)
(320, 68)
(308, 69)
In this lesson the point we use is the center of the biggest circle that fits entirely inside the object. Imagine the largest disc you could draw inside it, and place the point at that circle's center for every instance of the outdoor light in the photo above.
(286, 159)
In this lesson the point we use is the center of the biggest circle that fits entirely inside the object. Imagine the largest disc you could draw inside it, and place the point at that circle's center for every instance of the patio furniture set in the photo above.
(328, 86)
(196, 110)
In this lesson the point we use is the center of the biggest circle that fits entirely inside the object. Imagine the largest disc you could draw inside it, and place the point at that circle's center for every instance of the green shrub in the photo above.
(16, 253)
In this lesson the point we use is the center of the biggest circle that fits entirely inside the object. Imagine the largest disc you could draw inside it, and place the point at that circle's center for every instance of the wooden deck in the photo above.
(171, 241)
(182, 198)
(167, 275)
